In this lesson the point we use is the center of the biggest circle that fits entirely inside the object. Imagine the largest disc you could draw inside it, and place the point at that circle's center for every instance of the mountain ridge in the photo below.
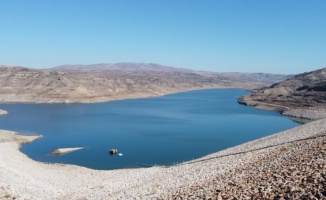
(125, 66)
(76, 84)
(130, 66)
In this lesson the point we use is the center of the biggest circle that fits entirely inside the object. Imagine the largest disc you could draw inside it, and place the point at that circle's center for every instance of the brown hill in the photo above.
(264, 78)
(305, 91)
(105, 82)
(120, 67)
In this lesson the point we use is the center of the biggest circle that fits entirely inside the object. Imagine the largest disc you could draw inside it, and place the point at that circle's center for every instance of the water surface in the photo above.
(154, 131)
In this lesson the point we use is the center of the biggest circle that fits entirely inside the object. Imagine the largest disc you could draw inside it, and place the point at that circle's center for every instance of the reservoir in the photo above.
(152, 131)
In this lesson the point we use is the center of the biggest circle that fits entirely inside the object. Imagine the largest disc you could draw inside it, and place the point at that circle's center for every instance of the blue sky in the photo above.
(279, 36)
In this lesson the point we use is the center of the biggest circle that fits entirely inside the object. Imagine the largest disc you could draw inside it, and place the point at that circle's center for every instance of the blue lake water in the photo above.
(154, 131)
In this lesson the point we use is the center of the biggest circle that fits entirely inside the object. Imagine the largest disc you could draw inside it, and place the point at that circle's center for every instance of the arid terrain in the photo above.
(106, 82)
(303, 96)
(287, 165)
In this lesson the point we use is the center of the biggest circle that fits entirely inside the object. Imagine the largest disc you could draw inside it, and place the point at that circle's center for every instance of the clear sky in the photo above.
(275, 36)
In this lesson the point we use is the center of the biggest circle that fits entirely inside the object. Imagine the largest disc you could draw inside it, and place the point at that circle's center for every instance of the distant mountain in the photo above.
(141, 67)
(304, 91)
(120, 67)
(105, 82)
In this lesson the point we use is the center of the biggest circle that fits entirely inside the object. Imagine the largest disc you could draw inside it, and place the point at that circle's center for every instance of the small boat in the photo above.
(114, 152)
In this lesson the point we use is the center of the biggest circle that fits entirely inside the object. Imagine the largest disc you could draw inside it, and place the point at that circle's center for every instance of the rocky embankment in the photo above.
(303, 96)
(295, 170)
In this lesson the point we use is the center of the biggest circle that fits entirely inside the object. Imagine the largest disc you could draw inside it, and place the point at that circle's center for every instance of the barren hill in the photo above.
(121, 67)
(150, 67)
(105, 82)
(305, 91)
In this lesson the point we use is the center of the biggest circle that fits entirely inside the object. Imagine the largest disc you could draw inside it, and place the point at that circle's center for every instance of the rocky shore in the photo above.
(293, 171)
(303, 96)
(306, 114)
(289, 165)
(310, 113)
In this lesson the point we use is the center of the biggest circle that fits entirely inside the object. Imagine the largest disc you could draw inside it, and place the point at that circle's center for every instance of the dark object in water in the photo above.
(113, 152)
(145, 165)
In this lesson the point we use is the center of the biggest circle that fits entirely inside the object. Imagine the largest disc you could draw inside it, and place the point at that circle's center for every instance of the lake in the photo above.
(153, 131)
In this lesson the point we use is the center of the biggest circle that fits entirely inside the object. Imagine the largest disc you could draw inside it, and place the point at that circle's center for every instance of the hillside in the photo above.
(105, 82)
(150, 67)
(303, 92)
(120, 67)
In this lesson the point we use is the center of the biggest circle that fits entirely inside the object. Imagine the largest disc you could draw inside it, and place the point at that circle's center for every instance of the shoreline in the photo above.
(103, 99)
(24, 178)
(296, 113)
(108, 98)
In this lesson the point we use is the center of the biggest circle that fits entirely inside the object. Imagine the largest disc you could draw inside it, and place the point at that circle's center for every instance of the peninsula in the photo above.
(303, 96)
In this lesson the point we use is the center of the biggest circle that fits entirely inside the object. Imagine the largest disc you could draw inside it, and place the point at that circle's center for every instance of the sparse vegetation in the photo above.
(303, 91)
(98, 83)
